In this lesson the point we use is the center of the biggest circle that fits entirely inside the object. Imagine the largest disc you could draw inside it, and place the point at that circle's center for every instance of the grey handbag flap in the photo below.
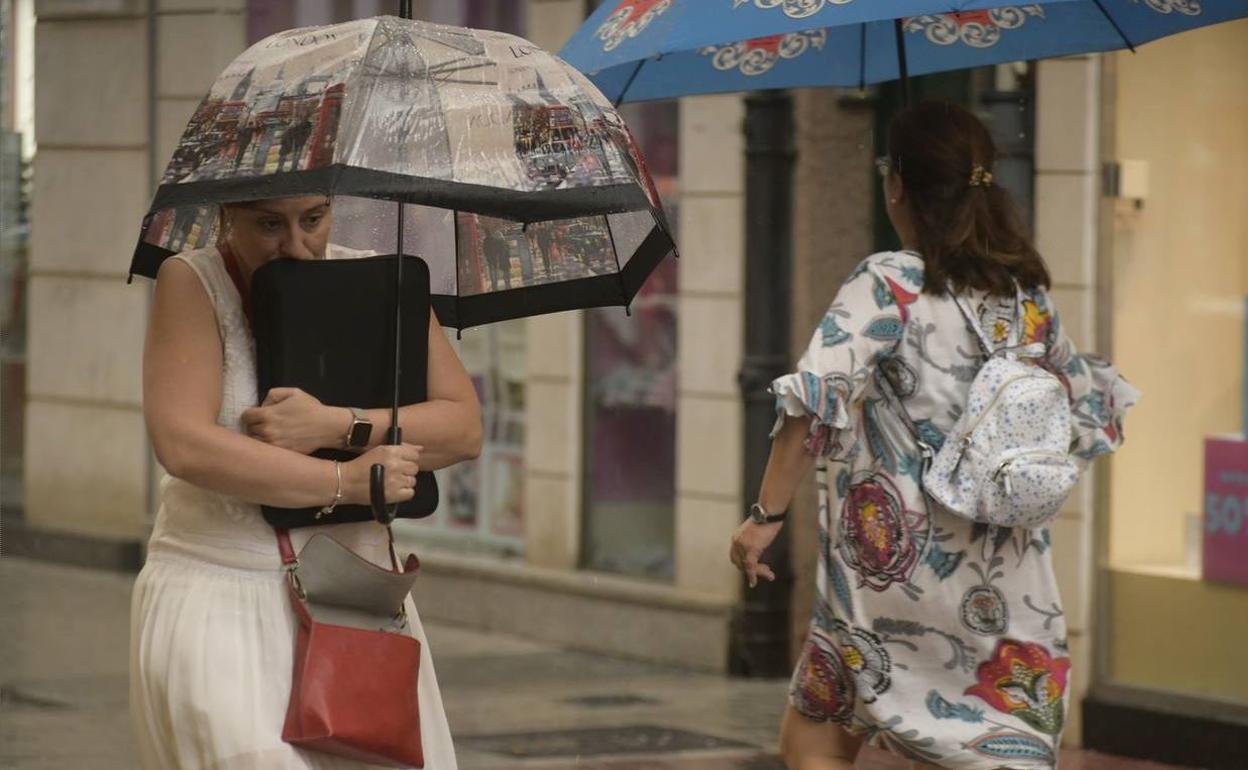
(340, 584)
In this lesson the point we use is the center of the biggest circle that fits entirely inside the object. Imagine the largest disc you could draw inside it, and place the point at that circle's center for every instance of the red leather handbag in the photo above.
(353, 692)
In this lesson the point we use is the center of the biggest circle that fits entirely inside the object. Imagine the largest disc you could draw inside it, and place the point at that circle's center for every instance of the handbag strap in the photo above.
(284, 547)
(291, 562)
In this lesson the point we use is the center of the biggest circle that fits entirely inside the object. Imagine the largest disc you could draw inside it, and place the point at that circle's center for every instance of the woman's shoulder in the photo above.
(198, 256)
(204, 264)
(903, 268)
(203, 261)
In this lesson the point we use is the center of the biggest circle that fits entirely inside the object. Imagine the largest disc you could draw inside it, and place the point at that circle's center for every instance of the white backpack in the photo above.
(1007, 461)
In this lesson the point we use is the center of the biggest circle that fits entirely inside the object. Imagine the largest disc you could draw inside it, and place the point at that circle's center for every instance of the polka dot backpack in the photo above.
(1007, 460)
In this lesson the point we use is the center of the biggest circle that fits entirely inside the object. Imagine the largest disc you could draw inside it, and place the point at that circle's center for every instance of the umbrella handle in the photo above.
(377, 495)
(377, 482)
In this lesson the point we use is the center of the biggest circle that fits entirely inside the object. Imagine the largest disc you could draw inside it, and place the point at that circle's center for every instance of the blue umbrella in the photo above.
(637, 50)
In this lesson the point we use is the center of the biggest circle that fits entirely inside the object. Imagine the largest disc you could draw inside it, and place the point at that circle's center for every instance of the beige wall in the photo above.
(832, 232)
(87, 458)
(1180, 276)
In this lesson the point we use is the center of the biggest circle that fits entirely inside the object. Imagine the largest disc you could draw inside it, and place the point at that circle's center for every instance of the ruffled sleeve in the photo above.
(863, 325)
(1099, 396)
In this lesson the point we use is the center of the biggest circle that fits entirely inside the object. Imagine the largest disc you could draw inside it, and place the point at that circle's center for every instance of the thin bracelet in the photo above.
(327, 510)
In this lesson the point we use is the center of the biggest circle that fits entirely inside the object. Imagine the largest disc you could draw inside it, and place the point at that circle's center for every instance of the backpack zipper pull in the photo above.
(965, 444)
(1003, 475)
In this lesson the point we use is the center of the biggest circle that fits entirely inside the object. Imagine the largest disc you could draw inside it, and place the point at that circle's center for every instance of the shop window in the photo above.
(630, 396)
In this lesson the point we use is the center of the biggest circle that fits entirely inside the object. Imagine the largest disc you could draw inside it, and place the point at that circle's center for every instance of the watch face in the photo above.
(360, 433)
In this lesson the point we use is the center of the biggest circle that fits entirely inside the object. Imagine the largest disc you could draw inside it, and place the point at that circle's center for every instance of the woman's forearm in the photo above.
(230, 463)
(787, 465)
(449, 431)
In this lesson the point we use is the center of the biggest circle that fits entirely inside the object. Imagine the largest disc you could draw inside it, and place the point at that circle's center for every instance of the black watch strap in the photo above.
(361, 429)
(759, 515)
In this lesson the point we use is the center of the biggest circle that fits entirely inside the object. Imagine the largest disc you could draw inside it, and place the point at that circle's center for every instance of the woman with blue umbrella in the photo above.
(937, 633)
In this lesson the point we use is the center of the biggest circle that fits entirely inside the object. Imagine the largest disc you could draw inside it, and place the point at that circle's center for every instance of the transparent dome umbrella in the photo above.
(499, 165)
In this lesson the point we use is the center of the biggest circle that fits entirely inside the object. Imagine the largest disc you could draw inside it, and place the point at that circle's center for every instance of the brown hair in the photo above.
(969, 230)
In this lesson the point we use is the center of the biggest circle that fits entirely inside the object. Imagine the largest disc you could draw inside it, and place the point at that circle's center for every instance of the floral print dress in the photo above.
(934, 636)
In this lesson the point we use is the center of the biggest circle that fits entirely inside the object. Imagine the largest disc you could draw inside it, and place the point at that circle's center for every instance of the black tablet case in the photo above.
(327, 327)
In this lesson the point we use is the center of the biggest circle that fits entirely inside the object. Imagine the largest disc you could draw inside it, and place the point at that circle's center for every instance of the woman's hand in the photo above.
(295, 420)
(748, 544)
(402, 463)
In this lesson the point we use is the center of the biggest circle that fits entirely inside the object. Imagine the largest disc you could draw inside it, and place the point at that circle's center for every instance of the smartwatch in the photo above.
(759, 515)
(360, 431)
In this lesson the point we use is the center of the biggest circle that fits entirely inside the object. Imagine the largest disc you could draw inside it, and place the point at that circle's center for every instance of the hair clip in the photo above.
(980, 176)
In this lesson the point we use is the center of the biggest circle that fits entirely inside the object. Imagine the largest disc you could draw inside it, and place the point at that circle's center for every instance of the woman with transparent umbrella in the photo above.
(212, 628)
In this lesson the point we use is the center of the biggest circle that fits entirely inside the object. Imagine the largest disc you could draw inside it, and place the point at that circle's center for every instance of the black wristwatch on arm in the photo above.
(759, 515)
(360, 431)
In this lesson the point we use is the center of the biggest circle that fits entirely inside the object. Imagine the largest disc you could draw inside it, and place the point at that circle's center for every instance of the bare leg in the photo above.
(809, 745)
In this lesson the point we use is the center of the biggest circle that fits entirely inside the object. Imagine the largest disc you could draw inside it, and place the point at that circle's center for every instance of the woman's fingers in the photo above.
(251, 415)
(276, 395)
(747, 560)
(750, 567)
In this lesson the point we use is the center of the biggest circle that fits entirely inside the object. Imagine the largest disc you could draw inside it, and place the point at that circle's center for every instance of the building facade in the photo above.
(600, 512)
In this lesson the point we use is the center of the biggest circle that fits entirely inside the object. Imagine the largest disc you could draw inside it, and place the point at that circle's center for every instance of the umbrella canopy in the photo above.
(636, 50)
(518, 182)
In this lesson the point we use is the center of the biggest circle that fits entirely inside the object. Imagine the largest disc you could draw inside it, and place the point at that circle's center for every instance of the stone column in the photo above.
(1066, 211)
(709, 505)
(554, 447)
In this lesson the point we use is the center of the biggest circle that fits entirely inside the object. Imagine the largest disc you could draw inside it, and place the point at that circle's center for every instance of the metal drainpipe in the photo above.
(761, 632)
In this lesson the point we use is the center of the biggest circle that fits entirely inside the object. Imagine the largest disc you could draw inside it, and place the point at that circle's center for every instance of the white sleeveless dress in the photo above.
(211, 629)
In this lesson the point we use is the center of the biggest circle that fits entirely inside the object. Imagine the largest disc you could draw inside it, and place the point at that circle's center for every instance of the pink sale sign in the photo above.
(1226, 510)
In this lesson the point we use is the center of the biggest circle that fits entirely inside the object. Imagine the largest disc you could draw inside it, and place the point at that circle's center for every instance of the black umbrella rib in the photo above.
(902, 72)
(1117, 28)
(629, 83)
(619, 273)
(447, 67)
(459, 333)
(862, 56)
(467, 82)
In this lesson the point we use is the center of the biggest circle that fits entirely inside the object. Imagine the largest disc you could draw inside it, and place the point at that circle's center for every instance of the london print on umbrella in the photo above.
(515, 157)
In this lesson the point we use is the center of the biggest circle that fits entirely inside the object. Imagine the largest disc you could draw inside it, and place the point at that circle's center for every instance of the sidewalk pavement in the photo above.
(512, 704)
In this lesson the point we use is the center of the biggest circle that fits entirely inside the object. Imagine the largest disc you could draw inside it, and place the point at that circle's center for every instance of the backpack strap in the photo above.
(1013, 348)
(899, 409)
(972, 322)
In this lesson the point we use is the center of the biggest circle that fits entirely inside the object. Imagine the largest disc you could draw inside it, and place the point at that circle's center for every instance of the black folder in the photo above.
(327, 327)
